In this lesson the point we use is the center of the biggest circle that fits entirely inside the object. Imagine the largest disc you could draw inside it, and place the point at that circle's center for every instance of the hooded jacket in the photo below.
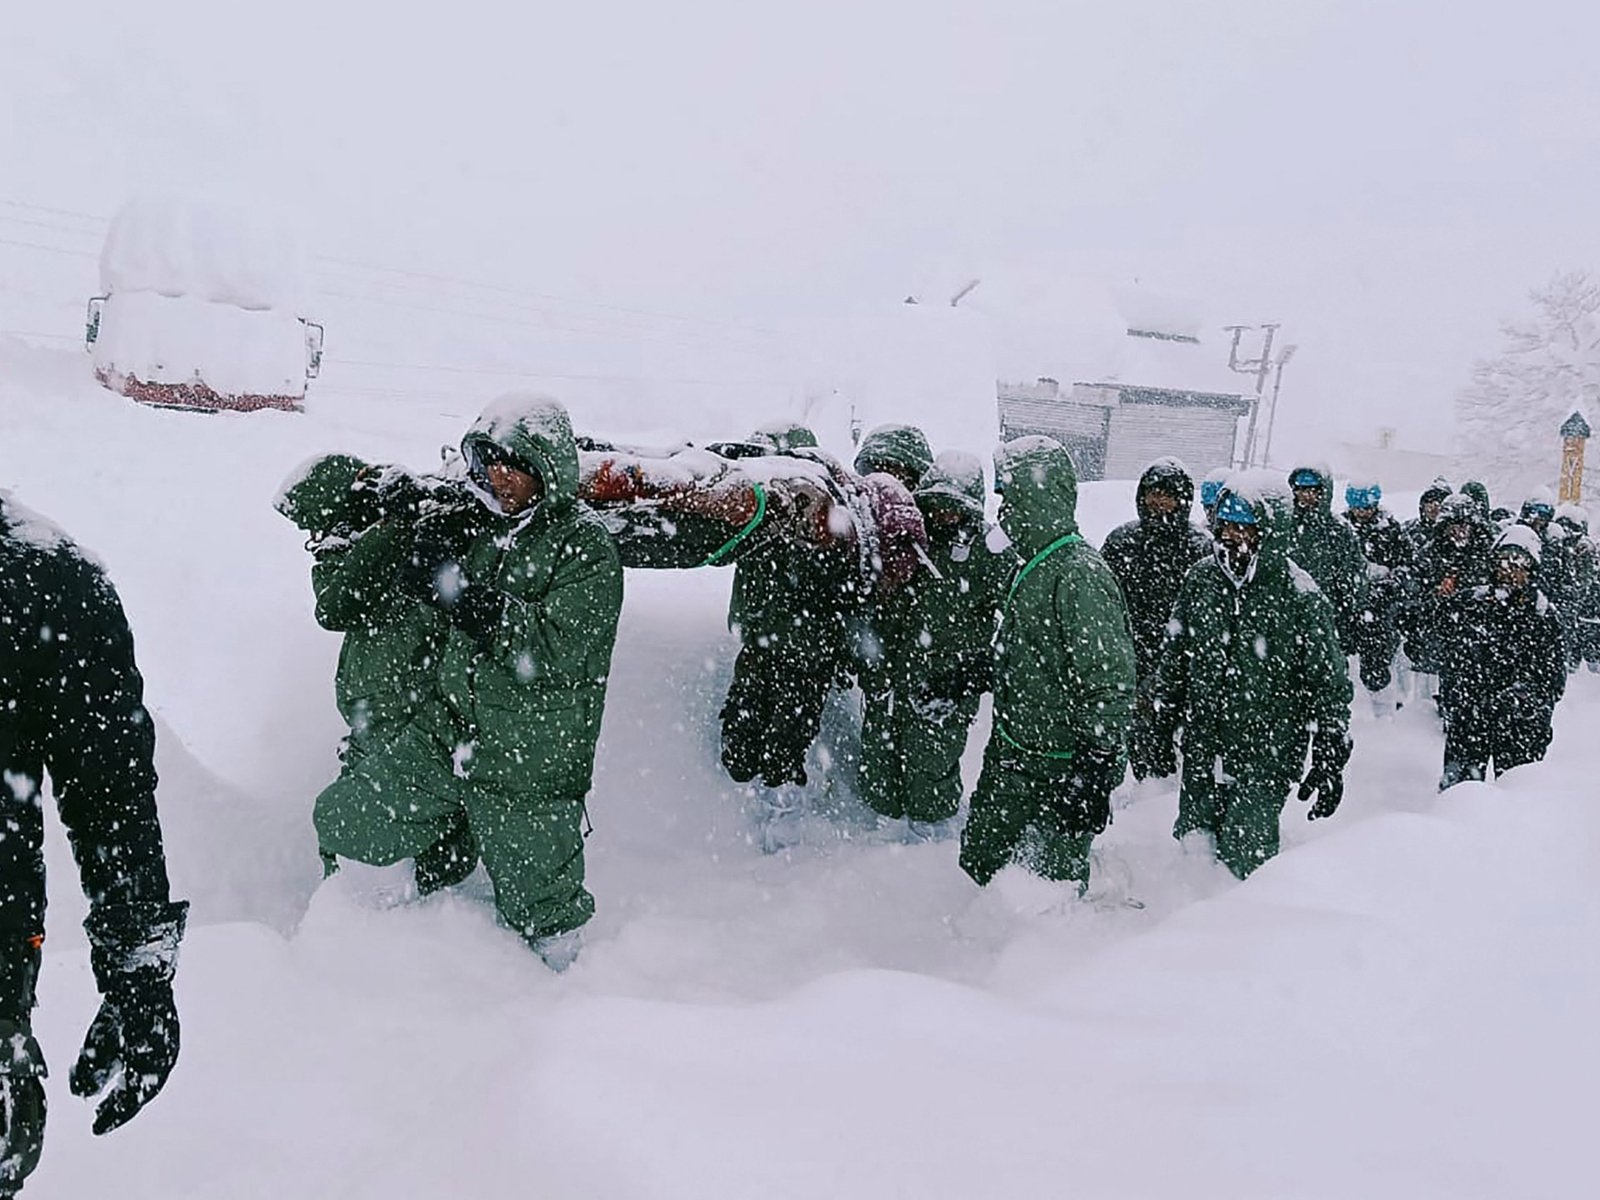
(1250, 667)
(1502, 659)
(1064, 666)
(1328, 550)
(529, 697)
(939, 629)
(1151, 555)
(72, 705)
(904, 447)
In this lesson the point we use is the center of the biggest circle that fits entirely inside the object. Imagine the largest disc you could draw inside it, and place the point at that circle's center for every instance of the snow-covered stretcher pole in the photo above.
(693, 507)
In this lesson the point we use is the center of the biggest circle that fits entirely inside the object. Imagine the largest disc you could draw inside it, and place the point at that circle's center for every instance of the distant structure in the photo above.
(200, 309)
(1165, 396)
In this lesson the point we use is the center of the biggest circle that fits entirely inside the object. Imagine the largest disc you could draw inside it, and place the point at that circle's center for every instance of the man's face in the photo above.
(1239, 544)
(1362, 516)
(516, 490)
(1513, 570)
(1430, 511)
(1157, 504)
(1307, 499)
(1459, 533)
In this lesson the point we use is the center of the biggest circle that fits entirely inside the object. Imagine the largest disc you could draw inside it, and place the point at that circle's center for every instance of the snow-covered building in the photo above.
(200, 308)
(1161, 392)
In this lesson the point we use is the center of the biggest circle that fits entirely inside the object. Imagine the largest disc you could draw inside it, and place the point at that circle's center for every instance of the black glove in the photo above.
(22, 1069)
(432, 561)
(398, 492)
(1330, 750)
(477, 611)
(1083, 804)
(1151, 752)
(132, 1043)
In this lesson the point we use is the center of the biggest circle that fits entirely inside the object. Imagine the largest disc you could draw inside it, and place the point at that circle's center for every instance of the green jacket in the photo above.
(1064, 667)
(529, 702)
(938, 630)
(1331, 554)
(1248, 669)
(902, 447)
(388, 658)
(391, 644)
(788, 595)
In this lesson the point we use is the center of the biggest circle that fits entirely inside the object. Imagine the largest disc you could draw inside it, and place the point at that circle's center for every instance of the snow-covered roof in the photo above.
(204, 250)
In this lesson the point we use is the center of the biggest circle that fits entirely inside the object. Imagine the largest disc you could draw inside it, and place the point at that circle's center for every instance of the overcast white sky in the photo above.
(1386, 179)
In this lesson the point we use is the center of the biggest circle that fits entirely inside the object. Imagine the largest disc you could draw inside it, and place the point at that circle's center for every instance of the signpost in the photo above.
(1574, 433)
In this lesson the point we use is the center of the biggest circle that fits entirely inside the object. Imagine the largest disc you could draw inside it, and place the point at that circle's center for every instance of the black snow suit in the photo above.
(1391, 569)
(1329, 552)
(1150, 557)
(1501, 673)
(72, 709)
(792, 608)
(1455, 562)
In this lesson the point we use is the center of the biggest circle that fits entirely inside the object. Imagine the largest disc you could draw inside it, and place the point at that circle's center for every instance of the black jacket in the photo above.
(71, 706)
(1150, 558)
(1502, 660)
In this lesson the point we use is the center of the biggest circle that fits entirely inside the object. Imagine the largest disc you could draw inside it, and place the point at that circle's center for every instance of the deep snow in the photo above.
(1400, 1005)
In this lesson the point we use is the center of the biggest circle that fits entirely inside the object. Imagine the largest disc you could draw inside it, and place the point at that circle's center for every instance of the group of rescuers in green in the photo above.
(478, 640)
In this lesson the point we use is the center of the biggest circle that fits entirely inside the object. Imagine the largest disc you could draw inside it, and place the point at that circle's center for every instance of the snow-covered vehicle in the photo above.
(200, 310)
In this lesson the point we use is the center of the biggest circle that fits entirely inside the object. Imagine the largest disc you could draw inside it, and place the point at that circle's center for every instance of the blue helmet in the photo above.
(1235, 510)
(1362, 496)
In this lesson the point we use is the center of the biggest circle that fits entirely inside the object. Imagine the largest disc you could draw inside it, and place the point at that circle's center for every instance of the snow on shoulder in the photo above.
(21, 524)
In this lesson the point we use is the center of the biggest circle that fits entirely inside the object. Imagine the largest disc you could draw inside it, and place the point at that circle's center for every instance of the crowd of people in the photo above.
(478, 609)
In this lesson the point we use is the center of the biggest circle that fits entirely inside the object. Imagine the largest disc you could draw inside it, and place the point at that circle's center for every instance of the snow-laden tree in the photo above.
(1508, 418)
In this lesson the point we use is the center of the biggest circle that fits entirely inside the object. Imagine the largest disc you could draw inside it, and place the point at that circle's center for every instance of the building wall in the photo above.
(1081, 428)
(1202, 437)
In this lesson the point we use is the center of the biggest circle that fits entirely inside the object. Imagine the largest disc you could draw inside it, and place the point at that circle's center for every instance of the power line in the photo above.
(55, 337)
(51, 226)
(429, 277)
(59, 212)
(48, 249)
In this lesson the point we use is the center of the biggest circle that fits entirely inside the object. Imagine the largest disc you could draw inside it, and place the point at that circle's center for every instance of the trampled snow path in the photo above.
(1400, 1005)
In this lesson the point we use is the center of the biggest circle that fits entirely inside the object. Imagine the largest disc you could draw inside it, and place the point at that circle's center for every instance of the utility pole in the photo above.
(1259, 367)
(1284, 356)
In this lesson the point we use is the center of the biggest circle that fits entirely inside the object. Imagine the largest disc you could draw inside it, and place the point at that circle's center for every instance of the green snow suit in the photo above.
(507, 748)
(900, 450)
(931, 653)
(1064, 681)
(790, 608)
(1331, 554)
(1246, 672)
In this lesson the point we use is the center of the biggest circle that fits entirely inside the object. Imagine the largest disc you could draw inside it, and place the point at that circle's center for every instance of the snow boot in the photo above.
(558, 950)
(782, 822)
(918, 832)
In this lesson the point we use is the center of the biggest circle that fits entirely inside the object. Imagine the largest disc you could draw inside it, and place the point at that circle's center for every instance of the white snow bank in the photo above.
(1402, 1004)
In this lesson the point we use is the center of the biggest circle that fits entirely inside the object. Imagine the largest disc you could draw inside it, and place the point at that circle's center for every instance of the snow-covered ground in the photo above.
(1402, 1004)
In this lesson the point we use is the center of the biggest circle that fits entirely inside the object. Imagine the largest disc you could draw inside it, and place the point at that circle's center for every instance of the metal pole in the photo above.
(1262, 365)
(1272, 412)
